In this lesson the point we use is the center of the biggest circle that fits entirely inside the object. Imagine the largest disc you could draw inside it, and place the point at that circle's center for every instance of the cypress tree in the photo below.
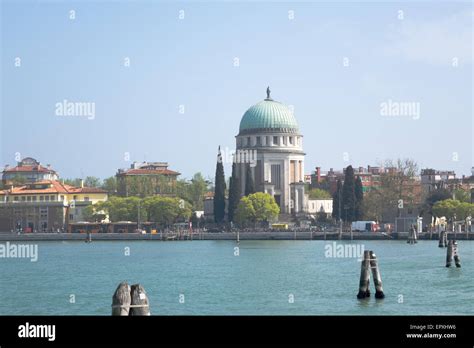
(348, 195)
(219, 190)
(234, 192)
(359, 196)
(249, 183)
(335, 200)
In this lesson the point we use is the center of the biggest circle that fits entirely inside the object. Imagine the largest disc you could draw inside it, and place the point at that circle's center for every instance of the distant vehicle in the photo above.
(365, 226)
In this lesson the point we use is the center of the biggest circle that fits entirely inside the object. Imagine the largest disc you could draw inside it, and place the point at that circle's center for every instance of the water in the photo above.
(258, 282)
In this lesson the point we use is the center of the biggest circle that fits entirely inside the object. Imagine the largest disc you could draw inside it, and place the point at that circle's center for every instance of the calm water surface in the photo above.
(257, 282)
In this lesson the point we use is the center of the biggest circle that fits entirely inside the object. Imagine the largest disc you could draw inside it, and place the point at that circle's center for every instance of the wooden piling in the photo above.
(457, 259)
(121, 300)
(376, 274)
(442, 239)
(140, 303)
(364, 276)
(449, 254)
(412, 236)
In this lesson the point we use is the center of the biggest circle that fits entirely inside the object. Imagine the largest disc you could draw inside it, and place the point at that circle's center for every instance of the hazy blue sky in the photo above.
(190, 62)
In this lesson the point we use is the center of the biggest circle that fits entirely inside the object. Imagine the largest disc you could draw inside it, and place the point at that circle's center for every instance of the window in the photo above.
(23, 198)
(259, 141)
(74, 198)
(86, 199)
(275, 140)
(62, 198)
(44, 213)
(248, 141)
(46, 198)
(71, 216)
(41, 198)
(52, 198)
(291, 140)
(15, 199)
(34, 198)
(28, 198)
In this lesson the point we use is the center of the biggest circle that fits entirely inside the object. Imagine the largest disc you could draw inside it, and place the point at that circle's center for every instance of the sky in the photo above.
(170, 81)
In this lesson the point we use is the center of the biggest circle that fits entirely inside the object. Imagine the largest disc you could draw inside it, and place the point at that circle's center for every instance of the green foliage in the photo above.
(462, 195)
(193, 191)
(348, 196)
(359, 196)
(219, 191)
(318, 193)
(110, 185)
(92, 181)
(72, 182)
(337, 200)
(256, 207)
(453, 209)
(249, 183)
(159, 209)
(166, 210)
(234, 192)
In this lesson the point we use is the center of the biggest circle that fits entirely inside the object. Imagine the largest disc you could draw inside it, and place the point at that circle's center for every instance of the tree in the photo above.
(245, 212)
(166, 210)
(395, 192)
(453, 209)
(73, 182)
(462, 195)
(336, 200)
(110, 185)
(348, 195)
(92, 181)
(359, 196)
(319, 194)
(234, 192)
(435, 196)
(256, 208)
(219, 191)
(249, 183)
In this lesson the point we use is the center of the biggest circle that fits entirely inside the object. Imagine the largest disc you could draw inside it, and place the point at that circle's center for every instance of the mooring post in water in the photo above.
(364, 276)
(238, 237)
(376, 274)
(140, 304)
(449, 254)
(443, 239)
(121, 300)
(412, 236)
(457, 259)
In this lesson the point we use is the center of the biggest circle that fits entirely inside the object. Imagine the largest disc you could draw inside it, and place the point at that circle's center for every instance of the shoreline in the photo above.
(8, 236)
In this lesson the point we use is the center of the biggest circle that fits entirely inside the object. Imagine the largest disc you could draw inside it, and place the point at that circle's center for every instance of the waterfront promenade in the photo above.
(280, 235)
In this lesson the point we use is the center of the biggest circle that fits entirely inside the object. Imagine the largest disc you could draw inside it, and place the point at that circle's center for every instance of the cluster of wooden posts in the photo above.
(130, 300)
(412, 236)
(452, 249)
(370, 263)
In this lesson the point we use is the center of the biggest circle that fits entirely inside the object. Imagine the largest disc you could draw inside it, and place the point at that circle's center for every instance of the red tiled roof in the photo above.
(55, 188)
(149, 172)
(34, 168)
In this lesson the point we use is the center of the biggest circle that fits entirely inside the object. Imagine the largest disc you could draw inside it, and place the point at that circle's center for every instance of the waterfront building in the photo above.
(26, 171)
(45, 206)
(146, 179)
(272, 146)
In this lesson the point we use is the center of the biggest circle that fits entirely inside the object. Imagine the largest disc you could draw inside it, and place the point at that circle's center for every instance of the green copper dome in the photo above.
(268, 116)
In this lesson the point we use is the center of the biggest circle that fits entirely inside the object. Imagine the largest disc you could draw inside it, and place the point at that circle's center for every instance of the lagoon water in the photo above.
(262, 280)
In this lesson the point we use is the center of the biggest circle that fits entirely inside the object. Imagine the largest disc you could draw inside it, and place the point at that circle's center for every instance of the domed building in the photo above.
(270, 143)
